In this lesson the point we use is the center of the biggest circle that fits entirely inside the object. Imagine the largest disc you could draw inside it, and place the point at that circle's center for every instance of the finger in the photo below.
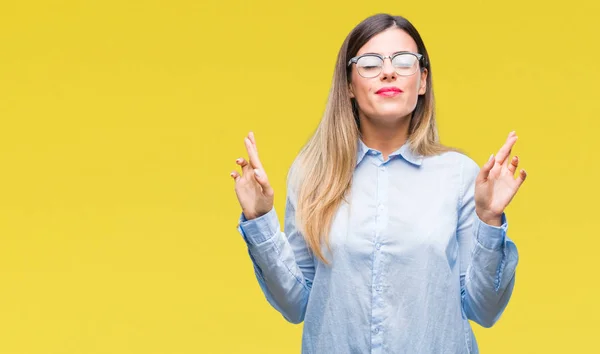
(235, 175)
(241, 161)
(521, 178)
(262, 179)
(512, 166)
(505, 150)
(252, 154)
(485, 170)
(251, 137)
(244, 164)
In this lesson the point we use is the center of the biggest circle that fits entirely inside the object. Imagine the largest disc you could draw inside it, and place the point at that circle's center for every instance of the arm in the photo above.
(488, 258)
(283, 264)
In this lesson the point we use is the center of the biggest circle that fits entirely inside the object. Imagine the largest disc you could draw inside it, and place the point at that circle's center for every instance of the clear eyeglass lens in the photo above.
(370, 65)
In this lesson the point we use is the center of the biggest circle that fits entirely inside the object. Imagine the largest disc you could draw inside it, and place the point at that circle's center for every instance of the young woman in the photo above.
(391, 241)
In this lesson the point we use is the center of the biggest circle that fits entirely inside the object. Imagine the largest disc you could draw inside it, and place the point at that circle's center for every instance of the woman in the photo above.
(391, 242)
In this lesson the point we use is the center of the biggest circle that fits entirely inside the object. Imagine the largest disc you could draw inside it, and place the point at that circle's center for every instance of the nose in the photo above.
(388, 71)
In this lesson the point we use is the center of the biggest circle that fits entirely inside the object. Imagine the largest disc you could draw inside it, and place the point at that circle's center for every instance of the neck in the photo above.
(387, 137)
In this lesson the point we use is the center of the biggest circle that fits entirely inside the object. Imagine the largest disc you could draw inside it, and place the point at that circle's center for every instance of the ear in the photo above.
(351, 90)
(423, 82)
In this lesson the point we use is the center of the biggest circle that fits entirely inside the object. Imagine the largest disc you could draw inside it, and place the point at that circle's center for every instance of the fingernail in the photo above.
(256, 173)
(490, 159)
(238, 160)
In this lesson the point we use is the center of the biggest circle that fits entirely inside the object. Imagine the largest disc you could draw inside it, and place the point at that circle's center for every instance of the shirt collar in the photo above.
(404, 151)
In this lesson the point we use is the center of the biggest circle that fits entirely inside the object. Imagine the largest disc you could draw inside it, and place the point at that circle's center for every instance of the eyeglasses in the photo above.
(370, 65)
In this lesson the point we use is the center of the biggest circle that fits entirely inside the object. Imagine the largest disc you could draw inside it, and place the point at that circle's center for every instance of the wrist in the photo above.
(492, 219)
(253, 215)
(249, 216)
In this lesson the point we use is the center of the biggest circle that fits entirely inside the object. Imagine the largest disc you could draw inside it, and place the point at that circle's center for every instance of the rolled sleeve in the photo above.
(488, 236)
(259, 230)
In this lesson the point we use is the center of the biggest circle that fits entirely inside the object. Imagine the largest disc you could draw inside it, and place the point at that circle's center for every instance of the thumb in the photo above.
(262, 179)
(487, 167)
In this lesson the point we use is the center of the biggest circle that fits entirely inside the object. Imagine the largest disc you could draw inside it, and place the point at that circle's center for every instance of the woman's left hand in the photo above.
(496, 185)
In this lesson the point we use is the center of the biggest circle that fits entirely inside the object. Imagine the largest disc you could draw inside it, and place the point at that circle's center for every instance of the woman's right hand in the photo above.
(252, 187)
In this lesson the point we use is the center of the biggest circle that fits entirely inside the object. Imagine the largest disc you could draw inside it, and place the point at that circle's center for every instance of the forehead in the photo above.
(388, 42)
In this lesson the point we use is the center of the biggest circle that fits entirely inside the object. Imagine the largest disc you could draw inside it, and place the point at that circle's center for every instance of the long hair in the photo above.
(328, 159)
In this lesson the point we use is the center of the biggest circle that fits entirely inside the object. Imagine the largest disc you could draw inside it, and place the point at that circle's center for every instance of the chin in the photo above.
(389, 112)
(392, 114)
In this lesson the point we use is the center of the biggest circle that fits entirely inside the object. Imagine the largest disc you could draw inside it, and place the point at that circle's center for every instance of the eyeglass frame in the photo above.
(420, 59)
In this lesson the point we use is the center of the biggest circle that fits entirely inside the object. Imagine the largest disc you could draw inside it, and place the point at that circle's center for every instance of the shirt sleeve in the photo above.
(283, 263)
(488, 257)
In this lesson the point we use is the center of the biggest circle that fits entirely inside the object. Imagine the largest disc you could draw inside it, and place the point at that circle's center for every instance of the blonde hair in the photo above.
(328, 160)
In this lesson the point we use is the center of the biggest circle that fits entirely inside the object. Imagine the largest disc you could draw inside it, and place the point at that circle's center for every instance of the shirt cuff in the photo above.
(490, 237)
(261, 229)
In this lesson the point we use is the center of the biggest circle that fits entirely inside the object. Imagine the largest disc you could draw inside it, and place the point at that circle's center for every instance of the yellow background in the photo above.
(121, 120)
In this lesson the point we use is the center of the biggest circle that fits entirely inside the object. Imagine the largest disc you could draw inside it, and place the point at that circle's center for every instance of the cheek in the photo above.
(413, 84)
(365, 98)
(362, 91)
(412, 90)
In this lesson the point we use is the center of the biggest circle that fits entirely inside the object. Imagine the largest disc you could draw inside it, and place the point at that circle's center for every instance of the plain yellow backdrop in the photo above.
(120, 122)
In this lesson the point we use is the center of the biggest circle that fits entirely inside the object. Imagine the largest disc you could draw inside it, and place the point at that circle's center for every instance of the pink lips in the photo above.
(389, 91)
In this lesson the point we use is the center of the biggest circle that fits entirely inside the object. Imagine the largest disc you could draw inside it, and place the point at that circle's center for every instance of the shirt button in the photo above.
(376, 330)
(380, 207)
(382, 169)
(378, 245)
(378, 288)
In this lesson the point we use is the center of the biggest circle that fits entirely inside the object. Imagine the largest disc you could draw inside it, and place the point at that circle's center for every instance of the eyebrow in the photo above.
(399, 51)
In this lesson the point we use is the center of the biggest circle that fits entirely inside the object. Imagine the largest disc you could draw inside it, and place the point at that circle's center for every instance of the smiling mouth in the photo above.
(389, 93)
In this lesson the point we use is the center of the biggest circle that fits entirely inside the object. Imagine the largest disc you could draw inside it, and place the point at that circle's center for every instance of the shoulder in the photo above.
(454, 158)
(454, 163)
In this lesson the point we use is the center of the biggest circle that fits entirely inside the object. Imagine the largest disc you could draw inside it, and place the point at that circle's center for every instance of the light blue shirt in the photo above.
(411, 262)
